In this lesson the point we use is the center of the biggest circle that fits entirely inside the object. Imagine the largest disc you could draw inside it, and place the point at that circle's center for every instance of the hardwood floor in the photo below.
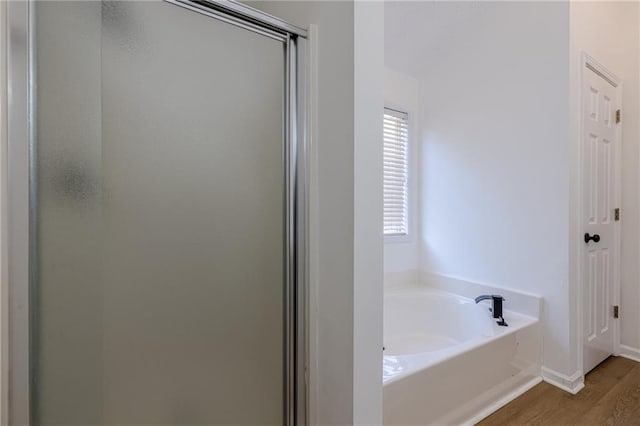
(611, 396)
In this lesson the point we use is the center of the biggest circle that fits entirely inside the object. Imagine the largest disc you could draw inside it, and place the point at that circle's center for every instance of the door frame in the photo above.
(589, 64)
(17, 199)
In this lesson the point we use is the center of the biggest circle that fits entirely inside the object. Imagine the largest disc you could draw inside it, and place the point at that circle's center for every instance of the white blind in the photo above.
(396, 141)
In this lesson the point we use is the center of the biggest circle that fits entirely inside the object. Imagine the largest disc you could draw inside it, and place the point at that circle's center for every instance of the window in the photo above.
(396, 144)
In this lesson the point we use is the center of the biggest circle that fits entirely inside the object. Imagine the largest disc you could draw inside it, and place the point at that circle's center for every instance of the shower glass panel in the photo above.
(158, 264)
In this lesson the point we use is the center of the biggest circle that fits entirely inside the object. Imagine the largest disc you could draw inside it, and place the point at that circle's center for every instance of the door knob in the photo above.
(595, 238)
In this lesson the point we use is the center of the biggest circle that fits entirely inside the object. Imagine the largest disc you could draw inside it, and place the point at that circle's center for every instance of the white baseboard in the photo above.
(572, 384)
(630, 353)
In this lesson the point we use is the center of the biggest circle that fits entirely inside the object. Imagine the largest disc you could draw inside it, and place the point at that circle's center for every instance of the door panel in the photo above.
(599, 203)
(160, 212)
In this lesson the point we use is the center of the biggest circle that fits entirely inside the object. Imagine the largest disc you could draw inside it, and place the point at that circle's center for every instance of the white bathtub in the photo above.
(446, 361)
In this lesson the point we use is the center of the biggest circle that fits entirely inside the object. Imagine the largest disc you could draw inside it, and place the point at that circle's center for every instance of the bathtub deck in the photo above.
(611, 396)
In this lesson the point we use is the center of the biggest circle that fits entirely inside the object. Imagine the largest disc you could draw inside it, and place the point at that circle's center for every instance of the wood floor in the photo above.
(611, 396)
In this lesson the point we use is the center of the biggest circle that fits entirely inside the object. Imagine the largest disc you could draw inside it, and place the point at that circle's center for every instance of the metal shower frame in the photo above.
(21, 200)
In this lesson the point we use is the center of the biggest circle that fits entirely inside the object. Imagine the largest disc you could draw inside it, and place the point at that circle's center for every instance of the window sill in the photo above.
(394, 239)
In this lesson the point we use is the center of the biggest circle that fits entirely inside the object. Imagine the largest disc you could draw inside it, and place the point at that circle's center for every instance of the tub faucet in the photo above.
(496, 307)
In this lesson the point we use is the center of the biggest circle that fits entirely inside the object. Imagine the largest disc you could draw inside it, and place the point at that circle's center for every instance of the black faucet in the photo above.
(496, 307)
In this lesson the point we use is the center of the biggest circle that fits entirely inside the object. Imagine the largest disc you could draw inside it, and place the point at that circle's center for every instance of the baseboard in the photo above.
(630, 353)
(572, 384)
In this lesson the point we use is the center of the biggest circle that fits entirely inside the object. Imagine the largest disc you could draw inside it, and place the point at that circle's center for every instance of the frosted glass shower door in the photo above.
(158, 295)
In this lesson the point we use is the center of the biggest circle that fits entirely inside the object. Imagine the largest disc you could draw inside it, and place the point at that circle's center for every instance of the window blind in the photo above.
(396, 141)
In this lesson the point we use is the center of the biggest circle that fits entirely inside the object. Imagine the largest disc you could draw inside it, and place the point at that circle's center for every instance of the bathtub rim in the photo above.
(516, 321)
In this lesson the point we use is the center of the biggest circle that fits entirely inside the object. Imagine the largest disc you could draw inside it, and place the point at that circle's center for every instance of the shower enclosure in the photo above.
(157, 211)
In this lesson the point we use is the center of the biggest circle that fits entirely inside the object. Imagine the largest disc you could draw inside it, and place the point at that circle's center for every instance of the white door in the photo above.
(600, 201)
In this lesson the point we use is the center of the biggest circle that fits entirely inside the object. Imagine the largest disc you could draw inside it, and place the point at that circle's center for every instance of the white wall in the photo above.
(608, 31)
(495, 161)
(494, 156)
(368, 206)
(401, 254)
